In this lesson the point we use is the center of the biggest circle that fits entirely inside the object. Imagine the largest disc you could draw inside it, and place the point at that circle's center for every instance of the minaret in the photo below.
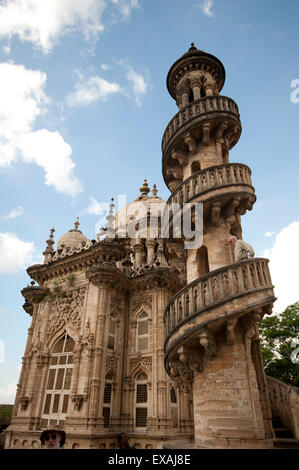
(212, 341)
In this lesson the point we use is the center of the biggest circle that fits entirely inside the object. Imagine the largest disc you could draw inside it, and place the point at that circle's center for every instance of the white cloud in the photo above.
(23, 100)
(89, 90)
(15, 254)
(42, 22)
(14, 213)
(96, 208)
(269, 234)
(125, 7)
(206, 7)
(6, 49)
(284, 262)
(49, 150)
(138, 83)
(8, 394)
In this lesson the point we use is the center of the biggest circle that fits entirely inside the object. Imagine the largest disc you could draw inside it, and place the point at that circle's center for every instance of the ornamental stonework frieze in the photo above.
(143, 301)
(112, 365)
(67, 310)
(103, 252)
(154, 279)
(140, 362)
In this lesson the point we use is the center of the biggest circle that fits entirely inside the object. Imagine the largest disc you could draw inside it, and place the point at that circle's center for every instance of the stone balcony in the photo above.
(210, 108)
(217, 185)
(212, 301)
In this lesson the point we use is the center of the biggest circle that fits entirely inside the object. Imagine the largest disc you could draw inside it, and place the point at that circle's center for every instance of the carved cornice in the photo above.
(107, 275)
(101, 252)
(34, 294)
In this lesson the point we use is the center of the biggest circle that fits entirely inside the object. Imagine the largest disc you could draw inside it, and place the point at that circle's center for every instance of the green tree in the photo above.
(280, 345)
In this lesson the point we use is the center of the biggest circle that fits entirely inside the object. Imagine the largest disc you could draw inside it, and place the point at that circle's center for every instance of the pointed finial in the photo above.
(49, 250)
(77, 223)
(110, 220)
(154, 190)
(144, 188)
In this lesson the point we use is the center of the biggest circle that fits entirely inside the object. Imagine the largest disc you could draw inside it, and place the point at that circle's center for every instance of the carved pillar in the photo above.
(95, 417)
(138, 255)
(195, 84)
(150, 245)
(185, 99)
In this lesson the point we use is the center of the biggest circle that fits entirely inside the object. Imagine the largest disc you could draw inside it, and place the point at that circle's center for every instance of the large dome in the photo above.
(140, 210)
(73, 239)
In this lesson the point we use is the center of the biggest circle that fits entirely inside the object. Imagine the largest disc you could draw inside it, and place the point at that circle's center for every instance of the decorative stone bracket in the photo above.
(78, 401)
(207, 341)
(230, 330)
(25, 402)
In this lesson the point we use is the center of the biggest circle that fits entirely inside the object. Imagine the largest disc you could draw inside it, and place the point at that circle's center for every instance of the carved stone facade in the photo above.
(136, 333)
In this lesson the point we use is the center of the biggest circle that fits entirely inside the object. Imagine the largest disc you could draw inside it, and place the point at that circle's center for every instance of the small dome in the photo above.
(72, 239)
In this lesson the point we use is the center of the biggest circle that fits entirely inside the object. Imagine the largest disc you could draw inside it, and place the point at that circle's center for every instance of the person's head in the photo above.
(122, 439)
(52, 438)
(232, 240)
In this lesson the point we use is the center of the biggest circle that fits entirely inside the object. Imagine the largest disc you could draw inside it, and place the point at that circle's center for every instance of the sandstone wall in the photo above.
(285, 404)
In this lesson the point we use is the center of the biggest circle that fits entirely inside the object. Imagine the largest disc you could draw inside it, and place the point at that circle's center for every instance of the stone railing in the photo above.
(219, 286)
(284, 401)
(206, 105)
(210, 179)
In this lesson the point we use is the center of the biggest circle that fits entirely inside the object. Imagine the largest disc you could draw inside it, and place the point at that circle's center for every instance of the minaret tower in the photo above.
(212, 340)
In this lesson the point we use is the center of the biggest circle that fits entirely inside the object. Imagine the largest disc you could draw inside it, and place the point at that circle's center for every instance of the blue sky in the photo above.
(83, 107)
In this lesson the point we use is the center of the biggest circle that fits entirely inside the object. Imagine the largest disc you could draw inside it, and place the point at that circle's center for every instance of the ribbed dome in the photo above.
(72, 239)
(138, 210)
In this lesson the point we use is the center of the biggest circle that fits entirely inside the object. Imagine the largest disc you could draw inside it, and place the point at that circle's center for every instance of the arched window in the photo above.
(202, 261)
(107, 401)
(142, 332)
(111, 333)
(141, 401)
(58, 383)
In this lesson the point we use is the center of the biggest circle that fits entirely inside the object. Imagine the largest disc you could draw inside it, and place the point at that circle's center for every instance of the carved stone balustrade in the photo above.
(217, 184)
(209, 108)
(215, 299)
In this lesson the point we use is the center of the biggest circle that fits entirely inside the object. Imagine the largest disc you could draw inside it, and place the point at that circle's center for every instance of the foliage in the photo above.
(57, 290)
(280, 341)
(71, 279)
(6, 411)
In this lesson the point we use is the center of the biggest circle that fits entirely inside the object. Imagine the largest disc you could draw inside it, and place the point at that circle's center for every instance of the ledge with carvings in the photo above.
(210, 108)
(215, 181)
(99, 252)
(218, 297)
